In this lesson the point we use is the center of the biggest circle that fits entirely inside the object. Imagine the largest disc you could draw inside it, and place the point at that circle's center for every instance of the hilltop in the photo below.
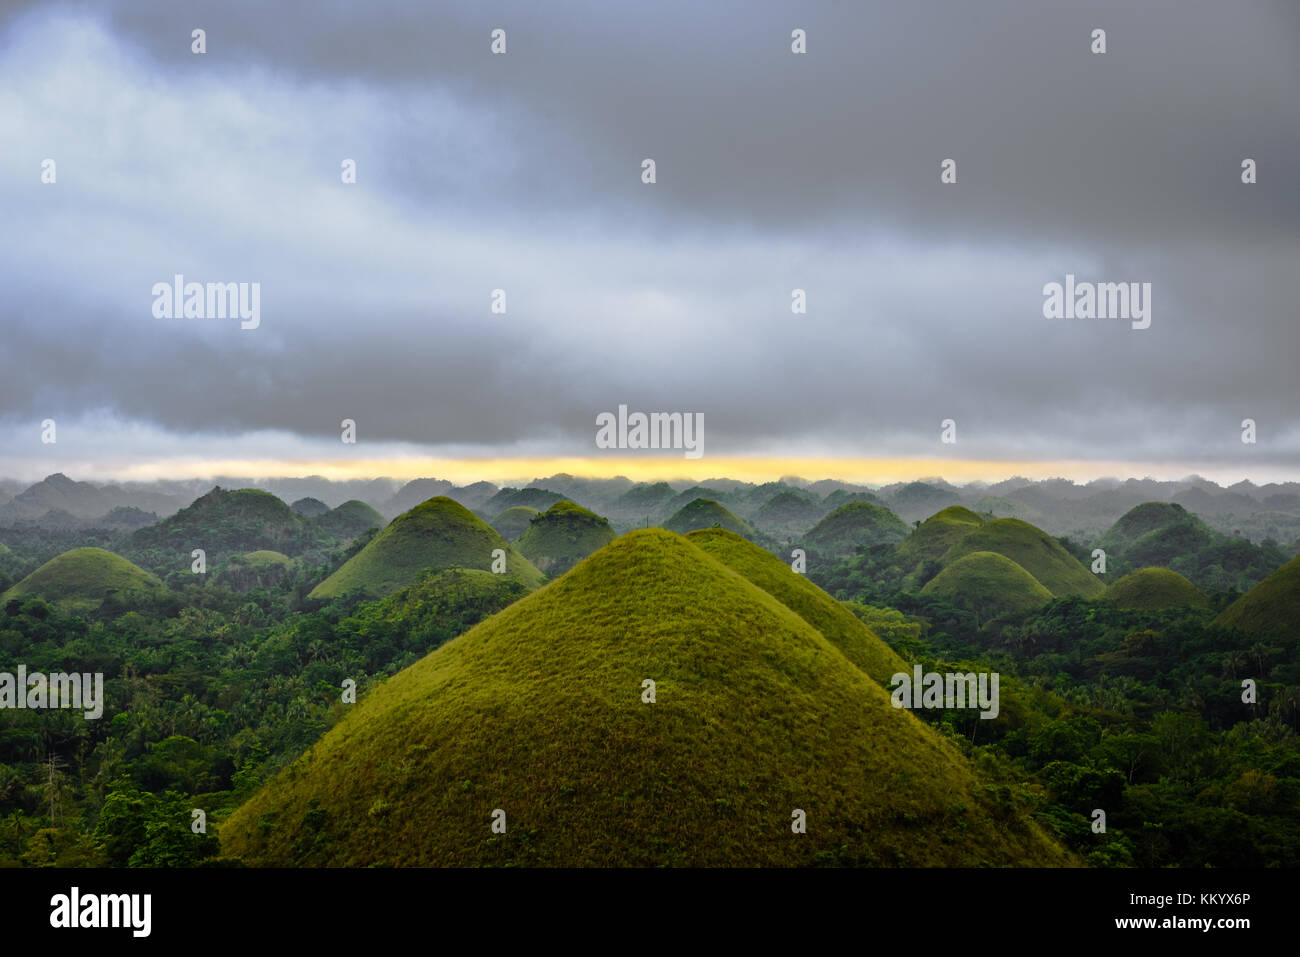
(513, 521)
(538, 712)
(350, 520)
(436, 534)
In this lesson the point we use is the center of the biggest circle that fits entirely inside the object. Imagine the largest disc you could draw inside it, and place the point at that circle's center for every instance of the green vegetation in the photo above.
(1032, 549)
(436, 534)
(705, 513)
(538, 711)
(83, 579)
(512, 522)
(1151, 589)
(853, 526)
(1271, 608)
(989, 585)
(562, 536)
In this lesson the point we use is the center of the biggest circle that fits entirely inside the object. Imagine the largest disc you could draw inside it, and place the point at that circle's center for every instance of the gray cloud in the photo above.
(775, 172)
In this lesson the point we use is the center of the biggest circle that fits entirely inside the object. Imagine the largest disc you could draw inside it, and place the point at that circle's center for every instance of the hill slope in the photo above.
(436, 534)
(1033, 550)
(1270, 608)
(537, 711)
(840, 626)
(83, 579)
(513, 522)
(562, 536)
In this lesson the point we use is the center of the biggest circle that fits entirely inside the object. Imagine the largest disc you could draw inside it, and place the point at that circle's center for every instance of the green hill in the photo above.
(538, 712)
(350, 520)
(562, 536)
(705, 513)
(989, 585)
(788, 511)
(261, 569)
(938, 533)
(1033, 550)
(1142, 520)
(538, 498)
(1151, 589)
(310, 507)
(1271, 608)
(83, 579)
(223, 523)
(835, 621)
(436, 534)
(513, 521)
(854, 525)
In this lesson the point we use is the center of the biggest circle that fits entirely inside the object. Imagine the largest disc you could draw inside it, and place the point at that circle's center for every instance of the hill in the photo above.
(705, 513)
(436, 534)
(260, 569)
(310, 507)
(989, 585)
(1033, 550)
(562, 536)
(538, 712)
(1152, 589)
(221, 523)
(83, 579)
(787, 512)
(854, 525)
(1271, 608)
(512, 522)
(350, 520)
(938, 533)
(834, 620)
(538, 498)
(1156, 534)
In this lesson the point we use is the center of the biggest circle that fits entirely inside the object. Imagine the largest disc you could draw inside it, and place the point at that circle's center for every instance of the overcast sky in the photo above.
(523, 172)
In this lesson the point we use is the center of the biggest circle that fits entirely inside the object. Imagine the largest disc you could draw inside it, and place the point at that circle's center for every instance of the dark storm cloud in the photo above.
(775, 171)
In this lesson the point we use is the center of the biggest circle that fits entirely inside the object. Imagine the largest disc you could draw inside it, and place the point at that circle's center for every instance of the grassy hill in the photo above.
(988, 584)
(1033, 550)
(350, 520)
(562, 536)
(309, 507)
(435, 534)
(1271, 608)
(853, 525)
(1151, 589)
(513, 521)
(788, 512)
(81, 581)
(938, 533)
(834, 620)
(537, 711)
(260, 569)
(705, 513)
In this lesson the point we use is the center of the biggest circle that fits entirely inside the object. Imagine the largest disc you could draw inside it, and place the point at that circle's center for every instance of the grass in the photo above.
(1269, 609)
(1032, 549)
(83, 579)
(1153, 589)
(538, 711)
(833, 619)
(351, 520)
(562, 536)
(435, 534)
